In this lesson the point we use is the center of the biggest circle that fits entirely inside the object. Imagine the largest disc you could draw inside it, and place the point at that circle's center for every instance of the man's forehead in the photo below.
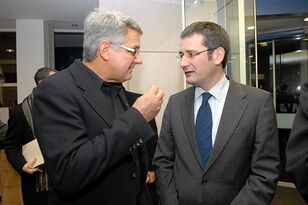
(193, 40)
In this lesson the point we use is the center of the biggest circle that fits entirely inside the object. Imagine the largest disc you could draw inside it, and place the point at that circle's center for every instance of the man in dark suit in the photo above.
(297, 146)
(34, 181)
(92, 133)
(233, 158)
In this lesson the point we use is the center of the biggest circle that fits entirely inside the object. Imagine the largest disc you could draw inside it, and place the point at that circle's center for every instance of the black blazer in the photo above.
(297, 146)
(19, 133)
(91, 157)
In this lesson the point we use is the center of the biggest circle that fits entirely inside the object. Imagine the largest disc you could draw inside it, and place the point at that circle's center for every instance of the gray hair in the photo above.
(102, 25)
(214, 36)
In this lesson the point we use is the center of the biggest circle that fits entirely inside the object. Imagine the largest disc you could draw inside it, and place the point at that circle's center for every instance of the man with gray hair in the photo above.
(93, 134)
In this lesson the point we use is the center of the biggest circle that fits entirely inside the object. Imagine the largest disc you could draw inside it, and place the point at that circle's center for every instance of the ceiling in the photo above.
(68, 15)
(65, 13)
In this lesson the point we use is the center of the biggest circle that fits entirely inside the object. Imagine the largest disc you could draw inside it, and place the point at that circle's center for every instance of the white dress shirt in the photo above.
(216, 101)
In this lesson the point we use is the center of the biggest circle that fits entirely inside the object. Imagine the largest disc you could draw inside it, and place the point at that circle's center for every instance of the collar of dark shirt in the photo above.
(112, 88)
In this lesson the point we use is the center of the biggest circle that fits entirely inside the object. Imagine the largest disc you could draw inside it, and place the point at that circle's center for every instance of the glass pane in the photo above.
(68, 47)
(291, 70)
(8, 88)
(265, 67)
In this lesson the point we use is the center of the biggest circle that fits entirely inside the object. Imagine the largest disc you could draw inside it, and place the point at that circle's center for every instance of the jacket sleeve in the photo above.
(260, 186)
(76, 159)
(164, 162)
(14, 138)
(297, 146)
(151, 145)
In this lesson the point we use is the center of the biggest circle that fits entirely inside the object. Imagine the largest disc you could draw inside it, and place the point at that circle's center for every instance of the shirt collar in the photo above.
(101, 83)
(218, 91)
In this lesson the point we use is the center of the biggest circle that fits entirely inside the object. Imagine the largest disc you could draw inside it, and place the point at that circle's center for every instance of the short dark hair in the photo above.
(214, 36)
(42, 73)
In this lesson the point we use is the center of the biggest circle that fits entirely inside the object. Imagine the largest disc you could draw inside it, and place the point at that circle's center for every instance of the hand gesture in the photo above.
(149, 104)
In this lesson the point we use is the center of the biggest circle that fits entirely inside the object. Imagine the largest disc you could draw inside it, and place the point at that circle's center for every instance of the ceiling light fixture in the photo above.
(9, 50)
(250, 28)
(306, 19)
(263, 44)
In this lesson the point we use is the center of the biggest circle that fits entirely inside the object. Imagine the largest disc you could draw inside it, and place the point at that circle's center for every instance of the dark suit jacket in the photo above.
(92, 157)
(297, 147)
(244, 164)
(19, 133)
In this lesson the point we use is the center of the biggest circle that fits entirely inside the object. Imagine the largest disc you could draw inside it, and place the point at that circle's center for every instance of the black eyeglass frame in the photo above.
(192, 54)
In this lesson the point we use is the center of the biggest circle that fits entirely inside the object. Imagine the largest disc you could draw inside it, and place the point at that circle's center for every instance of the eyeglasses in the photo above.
(133, 51)
(192, 54)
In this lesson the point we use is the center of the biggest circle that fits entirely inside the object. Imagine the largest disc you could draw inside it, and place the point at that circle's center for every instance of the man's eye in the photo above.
(190, 54)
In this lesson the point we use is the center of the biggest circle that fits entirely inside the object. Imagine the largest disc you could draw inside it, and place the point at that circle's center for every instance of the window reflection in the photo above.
(68, 47)
(291, 70)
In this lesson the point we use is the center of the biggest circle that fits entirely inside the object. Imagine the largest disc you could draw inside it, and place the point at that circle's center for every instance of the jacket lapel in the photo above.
(233, 110)
(188, 119)
(92, 93)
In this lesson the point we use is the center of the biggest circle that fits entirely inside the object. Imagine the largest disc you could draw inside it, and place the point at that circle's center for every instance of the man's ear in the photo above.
(104, 50)
(218, 55)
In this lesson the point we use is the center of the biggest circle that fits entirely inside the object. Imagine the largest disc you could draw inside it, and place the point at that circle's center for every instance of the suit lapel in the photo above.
(233, 110)
(92, 93)
(188, 119)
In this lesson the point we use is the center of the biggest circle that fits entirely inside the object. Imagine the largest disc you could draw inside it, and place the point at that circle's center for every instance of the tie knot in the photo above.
(206, 96)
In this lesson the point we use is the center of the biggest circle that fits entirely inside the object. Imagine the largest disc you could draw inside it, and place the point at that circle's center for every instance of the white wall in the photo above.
(34, 50)
(161, 23)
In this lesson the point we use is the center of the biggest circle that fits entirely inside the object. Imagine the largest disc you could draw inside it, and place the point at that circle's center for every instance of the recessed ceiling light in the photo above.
(9, 50)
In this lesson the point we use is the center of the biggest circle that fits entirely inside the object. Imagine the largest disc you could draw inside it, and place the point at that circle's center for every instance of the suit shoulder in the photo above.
(183, 93)
(250, 90)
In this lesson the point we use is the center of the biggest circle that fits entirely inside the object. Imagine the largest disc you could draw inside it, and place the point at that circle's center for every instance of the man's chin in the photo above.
(129, 77)
(190, 81)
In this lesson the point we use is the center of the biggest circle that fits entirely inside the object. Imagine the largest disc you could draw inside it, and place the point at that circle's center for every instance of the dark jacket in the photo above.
(297, 146)
(91, 157)
(19, 133)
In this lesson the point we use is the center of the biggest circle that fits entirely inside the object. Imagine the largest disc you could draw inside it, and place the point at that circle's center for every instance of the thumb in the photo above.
(32, 162)
(154, 89)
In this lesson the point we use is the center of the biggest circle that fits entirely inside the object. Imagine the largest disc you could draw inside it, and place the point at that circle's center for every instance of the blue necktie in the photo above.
(203, 129)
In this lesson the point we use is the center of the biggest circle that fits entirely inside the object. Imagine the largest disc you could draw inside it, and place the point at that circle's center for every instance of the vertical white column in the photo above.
(242, 40)
(34, 50)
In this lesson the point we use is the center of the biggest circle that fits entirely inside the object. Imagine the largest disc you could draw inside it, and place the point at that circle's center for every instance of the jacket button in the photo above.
(204, 181)
(134, 175)
(141, 140)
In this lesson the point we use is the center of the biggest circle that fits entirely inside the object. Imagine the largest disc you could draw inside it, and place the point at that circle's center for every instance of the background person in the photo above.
(297, 146)
(34, 181)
